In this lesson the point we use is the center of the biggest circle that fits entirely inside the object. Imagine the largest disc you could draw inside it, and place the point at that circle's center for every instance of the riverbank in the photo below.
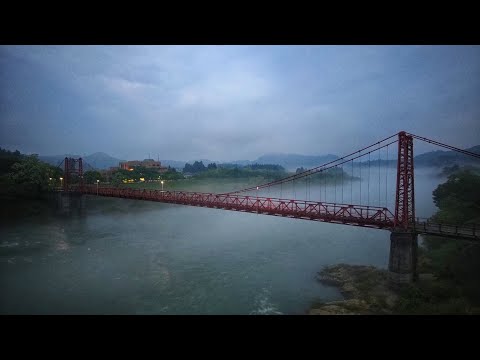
(366, 289)
(371, 291)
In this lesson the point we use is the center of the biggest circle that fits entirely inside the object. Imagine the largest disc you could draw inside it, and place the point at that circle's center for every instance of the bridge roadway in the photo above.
(347, 214)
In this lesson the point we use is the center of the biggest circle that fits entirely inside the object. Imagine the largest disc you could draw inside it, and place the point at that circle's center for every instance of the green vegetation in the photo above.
(231, 171)
(7, 159)
(454, 263)
(458, 199)
(91, 177)
(26, 176)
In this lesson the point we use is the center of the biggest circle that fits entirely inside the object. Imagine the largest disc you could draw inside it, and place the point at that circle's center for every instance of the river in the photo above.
(121, 256)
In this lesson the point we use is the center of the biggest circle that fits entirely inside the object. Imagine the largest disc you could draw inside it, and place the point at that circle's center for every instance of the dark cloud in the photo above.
(234, 102)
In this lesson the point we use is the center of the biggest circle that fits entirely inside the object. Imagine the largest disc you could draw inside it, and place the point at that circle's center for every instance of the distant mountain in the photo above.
(55, 160)
(290, 162)
(98, 160)
(294, 161)
(442, 158)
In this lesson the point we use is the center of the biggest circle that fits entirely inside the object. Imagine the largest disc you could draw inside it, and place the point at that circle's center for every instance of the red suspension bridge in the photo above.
(401, 218)
(358, 210)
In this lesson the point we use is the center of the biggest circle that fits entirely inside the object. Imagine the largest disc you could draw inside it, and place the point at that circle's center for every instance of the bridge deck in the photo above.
(358, 215)
(347, 214)
(469, 232)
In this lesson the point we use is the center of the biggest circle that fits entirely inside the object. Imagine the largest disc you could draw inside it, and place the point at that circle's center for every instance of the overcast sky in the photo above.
(234, 102)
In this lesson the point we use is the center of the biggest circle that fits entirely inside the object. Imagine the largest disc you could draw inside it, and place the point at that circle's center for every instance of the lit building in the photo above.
(147, 163)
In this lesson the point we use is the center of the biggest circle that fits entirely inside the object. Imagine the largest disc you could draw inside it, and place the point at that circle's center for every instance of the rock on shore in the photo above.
(367, 290)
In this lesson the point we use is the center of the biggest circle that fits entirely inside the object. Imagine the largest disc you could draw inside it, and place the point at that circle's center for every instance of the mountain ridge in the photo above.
(289, 161)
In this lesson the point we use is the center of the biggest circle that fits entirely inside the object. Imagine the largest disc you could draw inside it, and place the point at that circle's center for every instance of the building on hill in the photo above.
(147, 163)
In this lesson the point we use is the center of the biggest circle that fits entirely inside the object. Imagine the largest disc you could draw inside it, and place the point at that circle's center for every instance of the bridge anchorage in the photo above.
(335, 206)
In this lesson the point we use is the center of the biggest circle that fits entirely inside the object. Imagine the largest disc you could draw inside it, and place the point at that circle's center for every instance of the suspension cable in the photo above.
(453, 148)
(305, 173)
(317, 168)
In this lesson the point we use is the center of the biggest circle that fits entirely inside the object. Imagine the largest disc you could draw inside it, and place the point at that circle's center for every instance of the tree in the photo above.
(453, 260)
(31, 177)
(197, 167)
(7, 159)
(212, 166)
(117, 178)
(458, 199)
(91, 177)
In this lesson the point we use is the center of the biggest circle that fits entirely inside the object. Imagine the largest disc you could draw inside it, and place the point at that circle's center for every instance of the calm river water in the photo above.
(121, 256)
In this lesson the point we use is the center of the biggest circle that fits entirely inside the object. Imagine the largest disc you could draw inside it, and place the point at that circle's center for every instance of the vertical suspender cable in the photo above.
(379, 178)
(386, 182)
(325, 187)
(368, 186)
(360, 163)
(341, 169)
(320, 186)
(335, 170)
(351, 186)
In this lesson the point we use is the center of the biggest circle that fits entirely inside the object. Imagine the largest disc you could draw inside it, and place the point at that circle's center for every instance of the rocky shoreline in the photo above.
(367, 290)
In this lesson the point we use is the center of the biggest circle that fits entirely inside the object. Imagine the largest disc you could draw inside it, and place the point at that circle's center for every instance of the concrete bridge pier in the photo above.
(403, 255)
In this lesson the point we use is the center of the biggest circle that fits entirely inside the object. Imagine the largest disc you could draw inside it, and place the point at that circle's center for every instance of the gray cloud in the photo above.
(234, 102)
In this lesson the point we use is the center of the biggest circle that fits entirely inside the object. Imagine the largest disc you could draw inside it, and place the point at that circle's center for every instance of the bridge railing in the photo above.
(312, 210)
(425, 225)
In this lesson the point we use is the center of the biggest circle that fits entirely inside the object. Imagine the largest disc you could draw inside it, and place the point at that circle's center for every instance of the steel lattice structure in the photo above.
(402, 219)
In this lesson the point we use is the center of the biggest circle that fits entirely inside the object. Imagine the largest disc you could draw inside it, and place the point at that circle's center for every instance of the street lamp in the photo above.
(257, 200)
(97, 186)
(162, 184)
(61, 182)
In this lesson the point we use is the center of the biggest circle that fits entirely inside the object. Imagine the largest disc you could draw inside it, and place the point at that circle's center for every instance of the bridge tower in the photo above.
(72, 167)
(403, 239)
